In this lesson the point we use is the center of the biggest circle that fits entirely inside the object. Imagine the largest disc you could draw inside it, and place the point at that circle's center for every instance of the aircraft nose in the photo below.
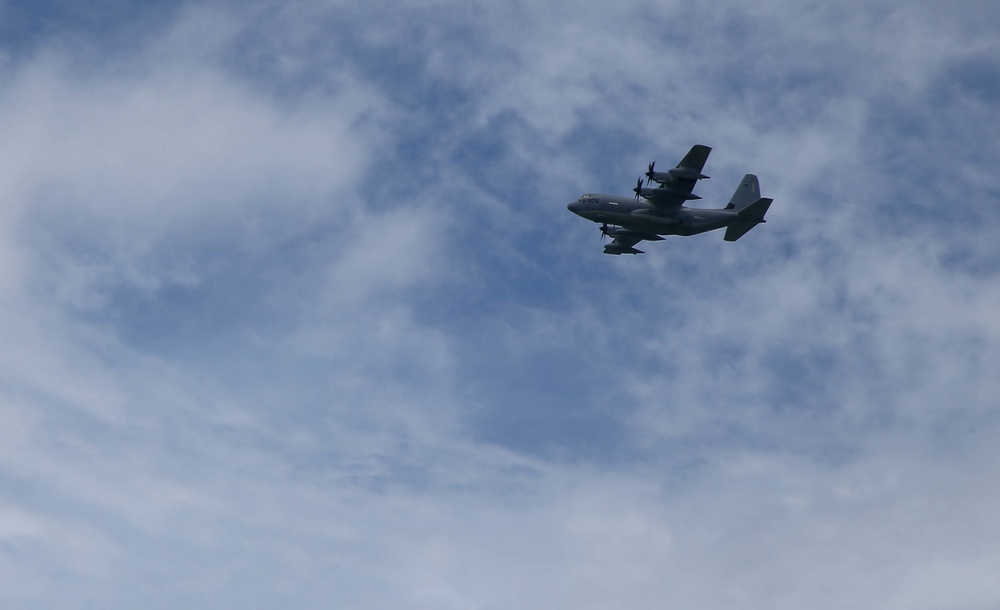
(573, 206)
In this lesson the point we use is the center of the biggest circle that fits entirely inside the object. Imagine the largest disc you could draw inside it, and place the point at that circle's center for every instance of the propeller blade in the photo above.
(649, 173)
(604, 231)
(638, 189)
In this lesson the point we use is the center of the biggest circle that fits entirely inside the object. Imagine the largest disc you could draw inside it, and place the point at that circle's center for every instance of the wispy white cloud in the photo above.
(293, 310)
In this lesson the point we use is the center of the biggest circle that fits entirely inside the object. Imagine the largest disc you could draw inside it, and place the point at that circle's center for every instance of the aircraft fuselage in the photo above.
(641, 217)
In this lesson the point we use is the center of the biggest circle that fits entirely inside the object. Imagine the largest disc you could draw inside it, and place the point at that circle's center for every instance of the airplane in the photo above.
(655, 212)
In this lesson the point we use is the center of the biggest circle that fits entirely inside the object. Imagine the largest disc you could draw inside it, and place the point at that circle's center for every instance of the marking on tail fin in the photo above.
(746, 193)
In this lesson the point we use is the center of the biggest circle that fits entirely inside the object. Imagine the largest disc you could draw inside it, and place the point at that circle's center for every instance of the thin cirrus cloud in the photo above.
(293, 309)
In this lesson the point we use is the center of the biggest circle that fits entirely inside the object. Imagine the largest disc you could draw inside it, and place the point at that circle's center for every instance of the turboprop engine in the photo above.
(678, 173)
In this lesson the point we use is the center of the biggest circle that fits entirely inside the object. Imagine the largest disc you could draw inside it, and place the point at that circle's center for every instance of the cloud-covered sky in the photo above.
(293, 313)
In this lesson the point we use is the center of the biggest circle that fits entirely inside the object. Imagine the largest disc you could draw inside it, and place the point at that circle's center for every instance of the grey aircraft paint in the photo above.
(654, 212)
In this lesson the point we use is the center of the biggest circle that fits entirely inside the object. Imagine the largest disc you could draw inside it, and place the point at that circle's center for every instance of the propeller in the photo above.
(649, 173)
(638, 189)
(604, 231)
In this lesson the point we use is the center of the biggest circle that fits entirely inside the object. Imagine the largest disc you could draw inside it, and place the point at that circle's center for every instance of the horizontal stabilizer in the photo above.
(756, 210)
(748, 218)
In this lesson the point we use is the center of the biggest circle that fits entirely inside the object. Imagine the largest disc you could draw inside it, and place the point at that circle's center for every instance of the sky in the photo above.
(293, 313)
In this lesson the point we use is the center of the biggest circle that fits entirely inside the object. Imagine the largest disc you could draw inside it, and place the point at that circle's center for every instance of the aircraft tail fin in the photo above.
(748, 217)
(746, 193)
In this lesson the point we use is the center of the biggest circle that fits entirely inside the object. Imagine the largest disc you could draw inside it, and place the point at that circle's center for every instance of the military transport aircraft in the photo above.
(661, 211)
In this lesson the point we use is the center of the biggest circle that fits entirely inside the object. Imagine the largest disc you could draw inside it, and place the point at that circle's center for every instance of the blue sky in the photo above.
(294, 313)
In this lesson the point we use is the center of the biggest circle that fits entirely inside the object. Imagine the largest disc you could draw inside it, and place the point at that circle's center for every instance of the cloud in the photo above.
(293, 310)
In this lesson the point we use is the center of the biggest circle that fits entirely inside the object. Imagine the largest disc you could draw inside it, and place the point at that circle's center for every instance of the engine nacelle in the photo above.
(686, 173)
(616, 250)
(620, 232)
(668, 192)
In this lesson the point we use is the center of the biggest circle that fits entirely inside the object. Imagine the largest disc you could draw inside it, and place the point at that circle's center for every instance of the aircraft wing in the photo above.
(676, 185)
(695, 159)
